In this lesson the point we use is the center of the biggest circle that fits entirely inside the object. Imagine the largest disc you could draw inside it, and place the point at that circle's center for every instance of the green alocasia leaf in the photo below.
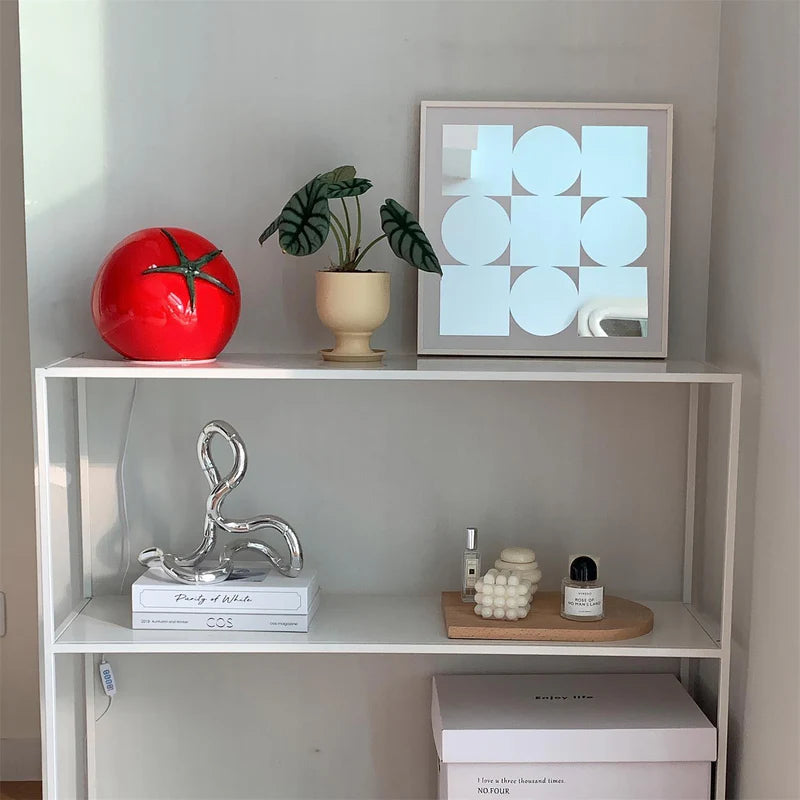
(346, 173)
(407, 240)
(305, 220)
(349, 188)
(270, 229)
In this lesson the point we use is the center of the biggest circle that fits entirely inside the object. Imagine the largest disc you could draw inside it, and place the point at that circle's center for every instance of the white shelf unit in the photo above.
(345, 623)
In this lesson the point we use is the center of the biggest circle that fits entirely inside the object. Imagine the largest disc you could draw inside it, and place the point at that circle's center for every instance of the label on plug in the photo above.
(107, 679)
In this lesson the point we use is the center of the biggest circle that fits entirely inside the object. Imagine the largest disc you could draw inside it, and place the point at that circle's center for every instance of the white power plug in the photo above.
(109, 684)
(107, 678)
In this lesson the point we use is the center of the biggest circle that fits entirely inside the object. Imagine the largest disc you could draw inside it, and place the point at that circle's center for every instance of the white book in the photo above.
(258, 590)
(224, 621)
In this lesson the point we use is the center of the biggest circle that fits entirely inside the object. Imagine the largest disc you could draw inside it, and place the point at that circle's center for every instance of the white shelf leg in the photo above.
(82, 426)
(722, 727)
(731, 487)
(89, 666)
(90, 676)
(691, 490)
(47, 659)
(689, 518)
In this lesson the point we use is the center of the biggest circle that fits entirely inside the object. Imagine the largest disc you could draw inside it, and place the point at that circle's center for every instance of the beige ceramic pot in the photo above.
(353, 305)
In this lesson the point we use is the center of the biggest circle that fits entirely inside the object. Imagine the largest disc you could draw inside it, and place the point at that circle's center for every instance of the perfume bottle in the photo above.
(581, 594)
(471, 566)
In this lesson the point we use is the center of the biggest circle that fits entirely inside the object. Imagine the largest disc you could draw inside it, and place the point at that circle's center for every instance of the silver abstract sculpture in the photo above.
(187, 569)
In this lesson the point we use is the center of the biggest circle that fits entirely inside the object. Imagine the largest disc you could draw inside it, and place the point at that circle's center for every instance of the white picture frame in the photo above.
(641, 330)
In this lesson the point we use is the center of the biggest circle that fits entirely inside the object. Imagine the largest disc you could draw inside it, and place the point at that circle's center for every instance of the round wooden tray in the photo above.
(624, 620)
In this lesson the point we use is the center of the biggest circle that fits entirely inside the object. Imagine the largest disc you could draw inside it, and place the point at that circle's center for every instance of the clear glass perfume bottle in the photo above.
(471, 566)
(581, 594)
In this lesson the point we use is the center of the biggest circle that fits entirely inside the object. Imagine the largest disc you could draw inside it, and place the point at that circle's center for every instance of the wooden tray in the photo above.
(624, 620)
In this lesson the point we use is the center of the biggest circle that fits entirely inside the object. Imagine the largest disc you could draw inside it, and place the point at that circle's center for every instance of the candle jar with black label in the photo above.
(581, 593)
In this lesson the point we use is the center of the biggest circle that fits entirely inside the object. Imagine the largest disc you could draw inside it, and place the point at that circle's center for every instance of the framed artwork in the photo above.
(552, 223)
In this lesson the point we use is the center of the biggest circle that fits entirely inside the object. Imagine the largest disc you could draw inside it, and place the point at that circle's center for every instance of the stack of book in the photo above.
(253, 599)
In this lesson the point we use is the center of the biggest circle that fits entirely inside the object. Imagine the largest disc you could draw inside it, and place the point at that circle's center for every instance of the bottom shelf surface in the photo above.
(368, 624)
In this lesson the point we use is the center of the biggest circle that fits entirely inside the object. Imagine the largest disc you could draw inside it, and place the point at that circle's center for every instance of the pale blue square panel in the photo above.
(595, 283)
(476, 159)
(614, 161)
(545, 231)
(474, 301)
(612, 292)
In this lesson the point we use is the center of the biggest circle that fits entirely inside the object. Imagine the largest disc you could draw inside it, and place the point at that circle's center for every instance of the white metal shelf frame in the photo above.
(399, 367)
(97, 625)
(347, 623)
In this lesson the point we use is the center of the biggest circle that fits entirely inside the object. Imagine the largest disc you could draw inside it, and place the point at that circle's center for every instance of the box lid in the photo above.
(568, 718)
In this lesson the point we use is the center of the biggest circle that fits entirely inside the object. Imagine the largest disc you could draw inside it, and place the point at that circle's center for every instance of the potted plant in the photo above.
(351, 300)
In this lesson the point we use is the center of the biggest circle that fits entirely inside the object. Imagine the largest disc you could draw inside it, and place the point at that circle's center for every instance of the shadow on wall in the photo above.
(19, 748)
(743, 577)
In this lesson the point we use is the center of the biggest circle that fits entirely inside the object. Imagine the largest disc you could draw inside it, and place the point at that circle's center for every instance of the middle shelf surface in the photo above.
(369, 624)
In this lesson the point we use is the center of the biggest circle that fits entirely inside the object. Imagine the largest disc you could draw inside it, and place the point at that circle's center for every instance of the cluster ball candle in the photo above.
(506, 591)
(502, 594)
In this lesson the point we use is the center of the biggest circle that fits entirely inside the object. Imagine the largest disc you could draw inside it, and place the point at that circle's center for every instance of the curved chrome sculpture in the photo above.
(186, 569)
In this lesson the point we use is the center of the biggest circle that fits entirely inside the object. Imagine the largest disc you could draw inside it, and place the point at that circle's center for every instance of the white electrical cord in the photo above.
(125, 554)
(106, 710)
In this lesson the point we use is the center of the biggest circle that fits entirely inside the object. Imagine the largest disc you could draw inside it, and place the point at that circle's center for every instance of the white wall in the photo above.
(753, 327)
(19, 728)
(206, 115)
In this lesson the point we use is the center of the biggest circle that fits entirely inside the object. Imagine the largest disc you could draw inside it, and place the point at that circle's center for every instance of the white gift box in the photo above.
(573, 737)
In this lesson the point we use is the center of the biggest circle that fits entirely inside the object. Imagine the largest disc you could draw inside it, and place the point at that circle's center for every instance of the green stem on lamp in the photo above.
(367, 249)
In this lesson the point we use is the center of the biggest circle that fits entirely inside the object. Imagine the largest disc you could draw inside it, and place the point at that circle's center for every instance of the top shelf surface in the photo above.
(398, 367)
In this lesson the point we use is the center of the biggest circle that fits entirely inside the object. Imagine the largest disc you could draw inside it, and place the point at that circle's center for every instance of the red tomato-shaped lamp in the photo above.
(166, 294)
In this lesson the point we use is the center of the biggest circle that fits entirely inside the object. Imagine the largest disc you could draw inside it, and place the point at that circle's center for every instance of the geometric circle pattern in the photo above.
(614, 231)
(546, 230)
(547, 160)
(544, 301)
(476, 230)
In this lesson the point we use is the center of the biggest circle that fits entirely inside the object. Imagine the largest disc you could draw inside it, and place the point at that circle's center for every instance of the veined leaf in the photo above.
(346, 173)
(351, 188)
(407, 240)
(305, 220)
(271, 228)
